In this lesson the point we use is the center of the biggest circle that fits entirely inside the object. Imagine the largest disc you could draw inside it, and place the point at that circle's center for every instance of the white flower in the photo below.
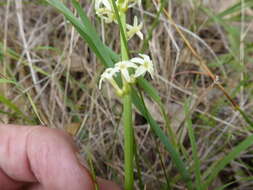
(108, 74)
(104, 10)
(123, 67)
(130, 3)
(103, 3)
(133, 2)
(135, 29)
(146, 65)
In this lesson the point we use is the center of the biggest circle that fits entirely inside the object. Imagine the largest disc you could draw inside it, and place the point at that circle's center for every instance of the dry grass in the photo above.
(56, 68)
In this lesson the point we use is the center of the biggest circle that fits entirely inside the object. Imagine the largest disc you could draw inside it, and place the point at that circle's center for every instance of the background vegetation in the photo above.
(50, 76)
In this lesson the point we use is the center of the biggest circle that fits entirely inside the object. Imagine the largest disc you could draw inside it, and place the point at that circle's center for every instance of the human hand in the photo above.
(40, 158)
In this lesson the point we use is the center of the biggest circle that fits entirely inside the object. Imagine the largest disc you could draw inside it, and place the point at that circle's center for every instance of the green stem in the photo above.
(121, 19)
(129, 142)
(127, 107)
(124, 48)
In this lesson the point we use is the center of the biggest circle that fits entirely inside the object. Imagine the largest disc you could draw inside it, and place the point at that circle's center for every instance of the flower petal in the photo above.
(131, 64)
(125, 64)
(140, 71)
(137, 60)
(107, 4)
(135, 21)
(140, 35)
(145, 57)
(108, 74)
(97, 4)
(126, 75)
(100, 83)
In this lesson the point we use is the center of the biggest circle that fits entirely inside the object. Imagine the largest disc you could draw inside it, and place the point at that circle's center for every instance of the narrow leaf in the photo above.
(227, 159)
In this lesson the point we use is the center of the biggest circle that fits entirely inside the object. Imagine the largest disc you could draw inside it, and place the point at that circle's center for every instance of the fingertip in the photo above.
(52, 155)
(49, 157)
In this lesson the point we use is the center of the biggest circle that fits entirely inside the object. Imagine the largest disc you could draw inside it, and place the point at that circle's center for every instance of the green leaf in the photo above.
(236, 181)
(175, 156)
(86, 33)
(220, 165)
(246, 117)
(122, 29)
(196, 160)
(85, 20)
(3, 80)
(235, 8)
(149, 89)
(11, 105)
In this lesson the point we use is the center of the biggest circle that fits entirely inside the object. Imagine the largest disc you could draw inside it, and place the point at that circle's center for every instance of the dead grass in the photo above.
(60, 73)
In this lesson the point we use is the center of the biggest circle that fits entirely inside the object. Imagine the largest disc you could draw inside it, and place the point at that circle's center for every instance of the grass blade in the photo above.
(122, 29)
(175, 156)
(12, 106)
(246, 118)
(86, 22)
(86, 33)
(149, 89)
(227, 159)
(198, 180)
(3, 80)
(228, 184)
(235, 8)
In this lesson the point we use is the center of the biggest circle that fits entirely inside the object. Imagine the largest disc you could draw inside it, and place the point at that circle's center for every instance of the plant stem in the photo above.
(127, 117)
(128, 146)
(124, 54)
(127, 105)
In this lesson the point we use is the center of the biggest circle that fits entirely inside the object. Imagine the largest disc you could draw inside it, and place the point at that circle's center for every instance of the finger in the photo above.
(13, 158)
(44, 155)
(106, 185)
(6, 183)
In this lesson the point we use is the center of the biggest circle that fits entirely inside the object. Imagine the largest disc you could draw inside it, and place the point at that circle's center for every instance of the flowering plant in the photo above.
(126, 73)
(129, 69)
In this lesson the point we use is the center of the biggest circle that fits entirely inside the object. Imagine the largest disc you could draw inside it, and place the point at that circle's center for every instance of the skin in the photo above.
(40, 158)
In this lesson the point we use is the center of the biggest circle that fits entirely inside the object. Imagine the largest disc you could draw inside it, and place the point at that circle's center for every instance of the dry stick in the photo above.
(68, 70)
(26, 48)
(19, 13)
(242, 53)
(5, 40)
(5, 60)
(201, 61)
